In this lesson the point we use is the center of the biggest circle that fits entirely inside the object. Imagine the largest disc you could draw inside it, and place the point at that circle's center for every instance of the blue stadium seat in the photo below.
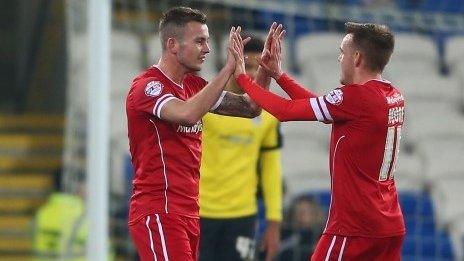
(453, 6)
(423, 241)
(448, 6)
(263, 18)
(411, 226)
(353, 2)
(408, 202)
(311, 1)
(322, 198)
(431, 6)
(408, 4)
(426, 206)
(409, 246)
(446, 247)
(426, 227)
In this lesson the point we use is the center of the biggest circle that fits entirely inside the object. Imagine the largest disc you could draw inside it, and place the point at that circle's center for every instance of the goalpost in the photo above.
(99, 13)
(87, 115)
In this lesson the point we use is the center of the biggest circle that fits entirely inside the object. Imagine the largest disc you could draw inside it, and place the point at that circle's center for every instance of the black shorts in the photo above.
(227, 239)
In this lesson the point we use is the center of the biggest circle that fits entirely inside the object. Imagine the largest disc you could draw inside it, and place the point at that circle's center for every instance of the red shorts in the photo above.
(332, 247)
(166, 237)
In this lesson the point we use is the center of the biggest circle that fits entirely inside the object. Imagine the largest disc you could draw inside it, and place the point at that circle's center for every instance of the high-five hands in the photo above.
(236, 43)
(271, 59)
(236, 49)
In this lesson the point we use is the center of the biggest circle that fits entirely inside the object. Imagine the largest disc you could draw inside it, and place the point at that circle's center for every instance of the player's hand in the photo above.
(268, 42)
(271, 240)
(236, 48)
(271, 59)
(236, 44)
(230, 59)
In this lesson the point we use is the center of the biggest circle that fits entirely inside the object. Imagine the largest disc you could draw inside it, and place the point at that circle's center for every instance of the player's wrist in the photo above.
(239, 74)
(229, 68)
(276, 75)
(281, 77)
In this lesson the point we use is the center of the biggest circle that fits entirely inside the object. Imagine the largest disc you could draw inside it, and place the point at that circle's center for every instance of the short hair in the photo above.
(375, 41)
(255, 45)
(174, 20)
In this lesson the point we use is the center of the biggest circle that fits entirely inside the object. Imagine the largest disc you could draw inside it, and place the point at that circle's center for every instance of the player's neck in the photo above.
(171, 69)
(365, 76)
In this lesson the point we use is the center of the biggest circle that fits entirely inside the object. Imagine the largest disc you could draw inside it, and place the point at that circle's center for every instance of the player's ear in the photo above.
(172, 45)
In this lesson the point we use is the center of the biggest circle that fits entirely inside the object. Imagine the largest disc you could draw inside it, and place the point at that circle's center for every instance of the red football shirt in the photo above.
(366, 131)
(165, 156)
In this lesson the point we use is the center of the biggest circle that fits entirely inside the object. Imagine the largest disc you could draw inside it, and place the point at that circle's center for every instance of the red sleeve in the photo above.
(341, 104)
(151, 95)
(282, 109)
(293, 88)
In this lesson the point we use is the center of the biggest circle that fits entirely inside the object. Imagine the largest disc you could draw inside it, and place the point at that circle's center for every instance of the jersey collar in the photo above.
(167, 77)
(380, 80)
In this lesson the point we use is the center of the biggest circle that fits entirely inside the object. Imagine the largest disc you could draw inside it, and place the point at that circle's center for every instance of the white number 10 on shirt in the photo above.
(391, 153)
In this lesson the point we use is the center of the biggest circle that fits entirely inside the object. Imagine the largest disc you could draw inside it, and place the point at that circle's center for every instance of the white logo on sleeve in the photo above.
(335, 97)
(153, 89)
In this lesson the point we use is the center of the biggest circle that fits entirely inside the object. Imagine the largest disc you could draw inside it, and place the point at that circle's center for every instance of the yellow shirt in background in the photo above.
(228, 173)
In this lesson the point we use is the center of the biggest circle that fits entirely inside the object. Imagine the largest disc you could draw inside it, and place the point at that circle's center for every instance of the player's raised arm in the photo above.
(262, 77)
(293, 88)
(232, 104)
(189, 112)
(238, 104)
(281, 108)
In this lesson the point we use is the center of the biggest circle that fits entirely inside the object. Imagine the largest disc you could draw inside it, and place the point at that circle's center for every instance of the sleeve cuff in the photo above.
(160, 103)
(242, 79)
(282, 79)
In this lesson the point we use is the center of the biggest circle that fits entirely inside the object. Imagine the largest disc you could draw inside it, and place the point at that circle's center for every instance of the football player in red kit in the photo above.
(365, 221)
(164, 108)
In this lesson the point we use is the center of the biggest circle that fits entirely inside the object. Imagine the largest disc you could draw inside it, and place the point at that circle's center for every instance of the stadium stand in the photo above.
(298, 154)
(409, 172)
(317, 60)
(125, 65)
(30, 152)
(453, 57)
(454, 52)
(153, 47)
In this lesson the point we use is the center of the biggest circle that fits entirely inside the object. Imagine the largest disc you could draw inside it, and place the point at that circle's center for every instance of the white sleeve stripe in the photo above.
(316, 109)
(325, 111)
(159, 100)
(218, 102)
(160, 106)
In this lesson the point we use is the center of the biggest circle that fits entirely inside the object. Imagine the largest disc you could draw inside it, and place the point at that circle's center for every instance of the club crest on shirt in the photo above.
(153, 88)
(335, 96)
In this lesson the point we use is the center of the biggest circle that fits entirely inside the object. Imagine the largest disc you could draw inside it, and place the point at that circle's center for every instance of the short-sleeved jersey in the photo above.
(366, 131)
(229, 179)
(165, 156)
